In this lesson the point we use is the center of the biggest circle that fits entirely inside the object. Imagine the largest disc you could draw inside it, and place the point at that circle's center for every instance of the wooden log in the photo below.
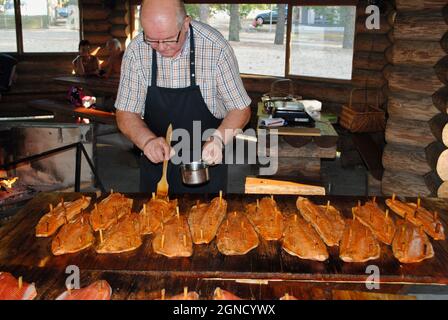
(411, 107)
(410, 79)
(96, 26)
(119, 17)
(120, 31)
(439, 128)
(95, 12)
(404, 184)
(440, 99)
(371, 42)
(369, 61)
(415, 53)
(373, 185)
(409, 132)
(361, 27)
(368, 79)
(442, 192)
(433, 182)
(405, 159)
(444, 42)
(416, 5)
(385, 7)
(417, 25)
(296, 167)
(441, 70)
(97, 38)
(437, 156)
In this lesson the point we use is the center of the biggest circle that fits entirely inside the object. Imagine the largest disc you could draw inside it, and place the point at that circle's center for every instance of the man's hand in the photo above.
(157, 150)
(212, 151)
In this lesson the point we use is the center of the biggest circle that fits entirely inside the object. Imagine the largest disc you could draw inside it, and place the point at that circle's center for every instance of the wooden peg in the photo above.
(328, 205)
(162, 226)
(162, 242)
(20, 282)
(144, 209)
(295, 218)
(359, 204)
(234, 213)
(177, 212)
(434, 217)
(153, 196)
(218, 292)
(242, 224)
(111, 191)
(51, 208)
(393, 196)
(272, 197)
(387, 212)
(374, 199)
(286, 296)
(96, 208)
(162, 294)
(418, 202)
(197, 203)
(101, 236)
(227, 222)
(258, 203)
(184, 237)
(202, 234)
(220, 196)
(185, 292)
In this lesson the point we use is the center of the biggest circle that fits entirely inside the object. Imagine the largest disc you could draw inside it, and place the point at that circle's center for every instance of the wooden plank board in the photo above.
(96, 85)
(50, 283)
(21, 248)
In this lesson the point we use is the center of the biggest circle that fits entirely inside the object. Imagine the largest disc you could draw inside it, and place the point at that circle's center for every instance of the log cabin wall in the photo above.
(417, 106)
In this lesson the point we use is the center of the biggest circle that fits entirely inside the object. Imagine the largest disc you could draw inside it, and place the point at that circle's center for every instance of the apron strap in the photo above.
(192, 58)
(192, 62)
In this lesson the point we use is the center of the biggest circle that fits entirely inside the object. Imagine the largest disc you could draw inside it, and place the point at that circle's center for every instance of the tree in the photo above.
(348, 18)
(280, 28)
(204, 12)
(235, 23)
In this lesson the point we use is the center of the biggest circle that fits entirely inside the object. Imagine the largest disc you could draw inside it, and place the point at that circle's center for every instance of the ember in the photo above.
(8, 183)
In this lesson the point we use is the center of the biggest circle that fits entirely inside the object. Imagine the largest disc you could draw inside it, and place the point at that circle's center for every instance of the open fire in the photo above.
(8, 183)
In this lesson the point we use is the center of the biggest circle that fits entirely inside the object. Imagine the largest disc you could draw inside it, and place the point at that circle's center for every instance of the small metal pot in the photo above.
(194, 173)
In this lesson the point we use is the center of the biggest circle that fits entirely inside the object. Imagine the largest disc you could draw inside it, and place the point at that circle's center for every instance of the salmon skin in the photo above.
(155, 212)
(418, 216)
(411, 244)
(266, 218)
(10, 288)
(326, 220)
(109, 211)
(99, 290)
(205, 219)
(236, 235)
(382, 226)
(301, 240)
(74, 236)
(61, 214)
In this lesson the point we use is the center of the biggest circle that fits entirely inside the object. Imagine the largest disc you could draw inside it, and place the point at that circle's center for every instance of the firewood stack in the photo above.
(417, 105)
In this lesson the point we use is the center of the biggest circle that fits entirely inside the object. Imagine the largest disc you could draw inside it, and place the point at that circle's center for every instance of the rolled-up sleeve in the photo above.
(132, 89)
(230, 89)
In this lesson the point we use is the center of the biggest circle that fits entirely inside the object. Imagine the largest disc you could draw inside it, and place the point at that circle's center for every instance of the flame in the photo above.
(9, 182)
(73, 72)
(95, 52)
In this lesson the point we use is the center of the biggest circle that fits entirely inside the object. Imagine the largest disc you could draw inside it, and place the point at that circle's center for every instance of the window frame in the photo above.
(19, 34)
(291, 4)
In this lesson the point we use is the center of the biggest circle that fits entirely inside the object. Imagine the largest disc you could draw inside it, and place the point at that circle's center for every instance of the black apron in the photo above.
(180, 107)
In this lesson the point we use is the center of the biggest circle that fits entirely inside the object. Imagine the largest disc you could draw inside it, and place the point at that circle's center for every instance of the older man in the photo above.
(179, 71)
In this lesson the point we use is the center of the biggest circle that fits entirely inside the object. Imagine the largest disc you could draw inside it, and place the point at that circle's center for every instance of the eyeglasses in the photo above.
(148, 41)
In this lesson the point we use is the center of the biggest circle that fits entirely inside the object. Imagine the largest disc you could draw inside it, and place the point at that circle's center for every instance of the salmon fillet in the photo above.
(266, 218)
(187, 295)
(411, 244)
(99, 290)
(109, 211)
(358, 243)
(327, 220)
(380, 223)
(73, 237)
(419, 216)
(61, 214)
(236, 235)
(14, 289)
(288, 297)
(205, 219)
(173, 239)
(121, 237)
(221, 294)
(154, 212)
(301, 240)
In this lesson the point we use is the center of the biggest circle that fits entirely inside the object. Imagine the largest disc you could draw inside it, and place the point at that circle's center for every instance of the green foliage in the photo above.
(245, 9)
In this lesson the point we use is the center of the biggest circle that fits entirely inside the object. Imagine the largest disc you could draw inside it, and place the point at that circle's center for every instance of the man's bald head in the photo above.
(164, 10)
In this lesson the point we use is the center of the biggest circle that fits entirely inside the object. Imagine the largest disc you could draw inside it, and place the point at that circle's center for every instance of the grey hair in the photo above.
(181, 12)
(115, 42)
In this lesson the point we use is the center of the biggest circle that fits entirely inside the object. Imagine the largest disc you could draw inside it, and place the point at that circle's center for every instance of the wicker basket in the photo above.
(367, 118)
(280, 89)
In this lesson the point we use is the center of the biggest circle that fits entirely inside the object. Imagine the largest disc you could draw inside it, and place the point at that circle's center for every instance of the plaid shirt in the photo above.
(217, 73)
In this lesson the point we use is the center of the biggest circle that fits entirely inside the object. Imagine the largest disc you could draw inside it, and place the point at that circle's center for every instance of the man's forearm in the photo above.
(133, 127)
(235, 119)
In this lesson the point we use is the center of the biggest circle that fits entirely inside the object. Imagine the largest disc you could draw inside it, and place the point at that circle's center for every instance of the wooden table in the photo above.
(96, 85)
(268, 262)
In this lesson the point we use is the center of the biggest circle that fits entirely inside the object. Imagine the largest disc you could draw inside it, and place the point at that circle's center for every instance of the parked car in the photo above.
(62, 12)
(265, 17)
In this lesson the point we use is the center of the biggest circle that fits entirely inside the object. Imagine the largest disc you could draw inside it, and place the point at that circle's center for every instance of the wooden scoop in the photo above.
(162, 185)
